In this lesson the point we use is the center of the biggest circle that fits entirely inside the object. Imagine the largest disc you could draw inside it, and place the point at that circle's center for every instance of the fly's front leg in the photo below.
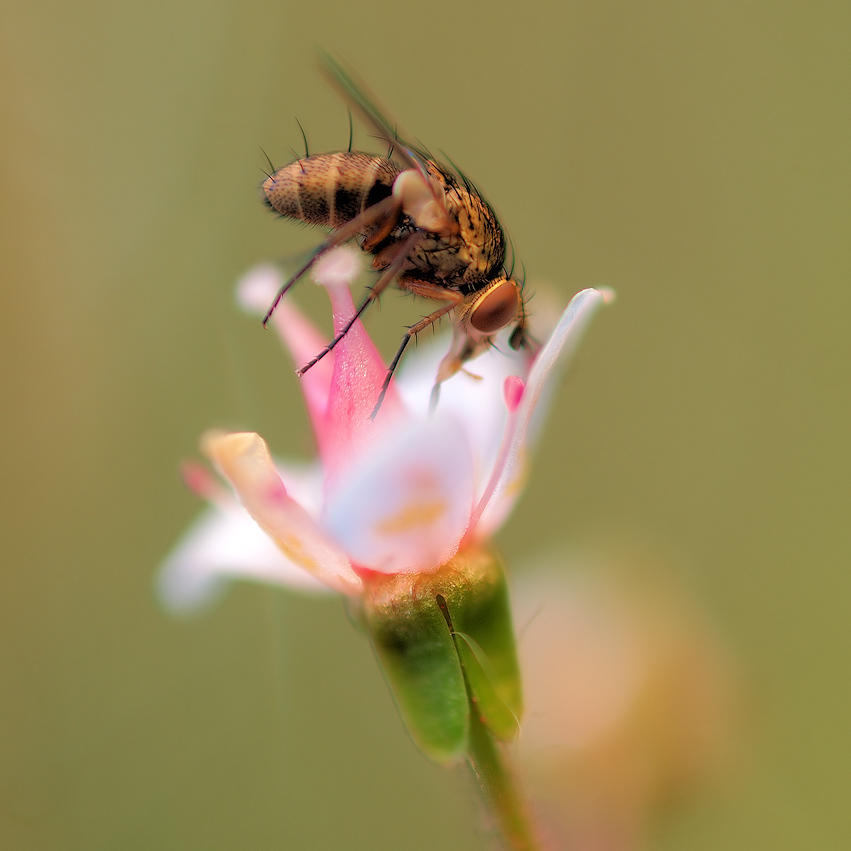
(374, 292)
(427, 290)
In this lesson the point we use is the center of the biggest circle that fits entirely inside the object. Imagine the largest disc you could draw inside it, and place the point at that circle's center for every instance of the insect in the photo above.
(426, 226)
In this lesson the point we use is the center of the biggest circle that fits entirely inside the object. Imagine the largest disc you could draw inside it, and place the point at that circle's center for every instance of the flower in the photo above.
(632, 697)
(400, 493)
(396, 513)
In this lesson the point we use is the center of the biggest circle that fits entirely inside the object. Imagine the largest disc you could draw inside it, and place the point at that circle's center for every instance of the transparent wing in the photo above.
(357, 94)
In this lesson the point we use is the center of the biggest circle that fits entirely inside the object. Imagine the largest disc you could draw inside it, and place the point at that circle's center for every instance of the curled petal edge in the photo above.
(243, 458)
(510, 470)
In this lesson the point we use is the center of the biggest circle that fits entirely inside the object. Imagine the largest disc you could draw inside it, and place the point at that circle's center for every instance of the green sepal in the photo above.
(432, 652)
(496, 711)
(485, 644)
(420, 664)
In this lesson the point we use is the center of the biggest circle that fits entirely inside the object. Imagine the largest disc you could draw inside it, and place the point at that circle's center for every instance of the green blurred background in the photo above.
(694, 157)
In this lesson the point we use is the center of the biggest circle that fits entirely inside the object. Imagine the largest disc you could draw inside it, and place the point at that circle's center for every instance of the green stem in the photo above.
(497, 783)
(499, 787)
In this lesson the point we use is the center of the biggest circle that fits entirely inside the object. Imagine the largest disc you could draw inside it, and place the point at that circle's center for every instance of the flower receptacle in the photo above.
(445, 642)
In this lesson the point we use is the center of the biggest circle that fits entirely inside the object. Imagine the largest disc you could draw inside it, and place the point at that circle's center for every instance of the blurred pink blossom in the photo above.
(632, 698)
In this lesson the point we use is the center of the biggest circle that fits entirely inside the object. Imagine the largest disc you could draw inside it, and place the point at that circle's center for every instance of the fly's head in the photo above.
(480, 317)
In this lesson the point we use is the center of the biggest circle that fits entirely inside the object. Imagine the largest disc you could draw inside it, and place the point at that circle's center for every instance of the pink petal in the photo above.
(255, 292)
(342, 389)
(513, 388)
(406, 507)
(358, 376)
(244, 460)
(510, 470)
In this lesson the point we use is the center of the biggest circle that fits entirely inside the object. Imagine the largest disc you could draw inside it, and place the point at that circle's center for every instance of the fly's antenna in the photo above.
(304, 137)
(351, 130)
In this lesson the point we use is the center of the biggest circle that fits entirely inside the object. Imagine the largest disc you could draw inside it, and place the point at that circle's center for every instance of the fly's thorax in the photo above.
(481, 235)
(438, 259)
(330, 189)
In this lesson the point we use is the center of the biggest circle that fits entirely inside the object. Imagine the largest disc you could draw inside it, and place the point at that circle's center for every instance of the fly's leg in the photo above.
(427, 290)
(388, 209)
(520, 337)
(380, 285)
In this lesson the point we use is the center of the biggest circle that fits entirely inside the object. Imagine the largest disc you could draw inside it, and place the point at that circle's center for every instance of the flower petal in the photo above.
(255, 292)
(224, 543)
(356, 383)
(510, 471)
(244, 460)
(406, 506)
(474, 397)
(342, 389)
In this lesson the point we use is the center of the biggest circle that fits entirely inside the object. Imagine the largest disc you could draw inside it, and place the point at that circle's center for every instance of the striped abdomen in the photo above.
(330, 189)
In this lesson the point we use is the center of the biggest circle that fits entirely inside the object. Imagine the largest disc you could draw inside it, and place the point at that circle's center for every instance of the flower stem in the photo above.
(499, 787)
(497, 783)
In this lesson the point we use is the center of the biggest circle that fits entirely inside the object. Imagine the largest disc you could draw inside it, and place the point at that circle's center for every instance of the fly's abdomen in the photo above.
(330, 189)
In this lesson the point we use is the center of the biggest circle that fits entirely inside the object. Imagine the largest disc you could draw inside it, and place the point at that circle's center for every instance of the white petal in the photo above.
(406, 506)
(303, 482)
(224, 544)
(257, 287)
(510, 472)
(476, 402)
(244, 460)
(340, 267)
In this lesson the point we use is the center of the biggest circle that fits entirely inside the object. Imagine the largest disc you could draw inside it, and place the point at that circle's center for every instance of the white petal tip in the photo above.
(338, 268)
(181, 590)
(256, 289)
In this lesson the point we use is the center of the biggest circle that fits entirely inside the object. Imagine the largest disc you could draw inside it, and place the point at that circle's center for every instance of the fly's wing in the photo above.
(422, 195)
(357, 95)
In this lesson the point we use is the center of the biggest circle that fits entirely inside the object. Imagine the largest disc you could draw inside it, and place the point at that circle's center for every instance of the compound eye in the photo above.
(496, 307)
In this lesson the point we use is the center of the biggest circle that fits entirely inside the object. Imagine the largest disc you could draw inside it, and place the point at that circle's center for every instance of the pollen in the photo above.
(412, 516)
(295, 549)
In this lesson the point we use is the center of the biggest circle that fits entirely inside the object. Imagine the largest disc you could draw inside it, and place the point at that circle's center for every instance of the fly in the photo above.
(426, 226)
